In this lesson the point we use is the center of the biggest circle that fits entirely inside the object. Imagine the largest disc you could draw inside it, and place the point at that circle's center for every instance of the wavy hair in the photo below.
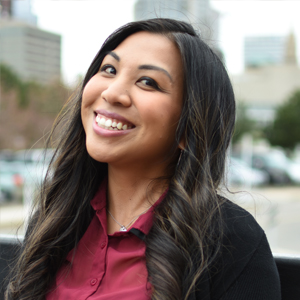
(187, 229)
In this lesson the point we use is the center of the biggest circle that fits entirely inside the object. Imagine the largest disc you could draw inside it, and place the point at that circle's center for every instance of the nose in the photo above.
(117, 93)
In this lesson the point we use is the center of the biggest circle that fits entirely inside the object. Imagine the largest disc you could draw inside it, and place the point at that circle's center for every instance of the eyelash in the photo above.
(152, 84)
(105, 67)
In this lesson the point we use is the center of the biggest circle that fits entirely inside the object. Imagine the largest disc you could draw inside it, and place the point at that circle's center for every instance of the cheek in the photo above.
(170, 114)
(161, 108)
(91, 92)
(162, 119)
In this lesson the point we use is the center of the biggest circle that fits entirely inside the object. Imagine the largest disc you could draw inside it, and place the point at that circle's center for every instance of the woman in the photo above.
(131, 209)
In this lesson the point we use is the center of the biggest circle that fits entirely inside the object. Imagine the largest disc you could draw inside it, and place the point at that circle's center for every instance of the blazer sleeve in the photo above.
(258, 280)
(245, 268)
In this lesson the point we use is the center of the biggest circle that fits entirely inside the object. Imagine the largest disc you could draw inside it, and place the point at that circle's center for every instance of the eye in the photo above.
(149, 82)
(109, 69)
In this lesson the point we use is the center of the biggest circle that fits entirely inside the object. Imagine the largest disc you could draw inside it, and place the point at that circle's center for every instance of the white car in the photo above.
(240, 173)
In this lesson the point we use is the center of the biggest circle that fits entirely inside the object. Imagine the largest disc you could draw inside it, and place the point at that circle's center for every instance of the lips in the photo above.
(113, 123)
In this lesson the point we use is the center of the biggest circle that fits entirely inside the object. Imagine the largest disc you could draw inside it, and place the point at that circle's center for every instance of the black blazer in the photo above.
(245, 269)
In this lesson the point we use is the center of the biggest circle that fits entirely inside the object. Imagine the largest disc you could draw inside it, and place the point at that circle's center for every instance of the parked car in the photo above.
(281, 169)
(11, 177)
(14, 174)
(240, 173)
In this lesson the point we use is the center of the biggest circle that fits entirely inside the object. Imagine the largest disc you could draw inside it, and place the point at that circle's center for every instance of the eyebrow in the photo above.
(151, 67)
(114, 55)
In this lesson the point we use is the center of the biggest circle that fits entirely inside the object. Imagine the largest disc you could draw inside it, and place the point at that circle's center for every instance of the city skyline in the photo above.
(90, 22)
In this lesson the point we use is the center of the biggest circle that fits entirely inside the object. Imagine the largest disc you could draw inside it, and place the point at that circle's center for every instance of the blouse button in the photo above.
(94, 281)
(103, 244)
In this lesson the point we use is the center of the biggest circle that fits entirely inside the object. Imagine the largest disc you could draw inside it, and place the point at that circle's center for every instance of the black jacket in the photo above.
(245, 269)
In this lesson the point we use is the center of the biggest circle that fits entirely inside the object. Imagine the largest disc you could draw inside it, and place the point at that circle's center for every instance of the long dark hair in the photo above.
(187, 229)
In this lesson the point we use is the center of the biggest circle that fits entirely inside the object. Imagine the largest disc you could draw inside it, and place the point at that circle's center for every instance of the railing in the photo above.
(288, 267)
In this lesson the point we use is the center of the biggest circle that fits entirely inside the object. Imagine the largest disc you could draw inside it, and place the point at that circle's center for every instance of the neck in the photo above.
(129, 194)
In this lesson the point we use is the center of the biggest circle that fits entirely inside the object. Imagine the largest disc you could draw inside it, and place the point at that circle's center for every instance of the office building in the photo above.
(270, 77)
(197, 12)
(5, 9)
(269, 50)
(17, 10)
(21, 10)
(31, 52)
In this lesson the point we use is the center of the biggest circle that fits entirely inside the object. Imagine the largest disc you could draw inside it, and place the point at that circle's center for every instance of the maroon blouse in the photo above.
(106, 267)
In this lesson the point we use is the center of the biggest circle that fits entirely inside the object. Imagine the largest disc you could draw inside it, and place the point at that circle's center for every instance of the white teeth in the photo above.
(111, 124)
(102, 121)
(108, 123)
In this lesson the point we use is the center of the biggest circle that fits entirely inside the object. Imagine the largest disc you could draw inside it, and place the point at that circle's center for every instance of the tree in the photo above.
(9, 80)
(243, 124)
(28, 109)
(285, 131)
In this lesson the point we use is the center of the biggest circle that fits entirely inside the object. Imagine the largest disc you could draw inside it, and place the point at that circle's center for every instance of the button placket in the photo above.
(98, 268)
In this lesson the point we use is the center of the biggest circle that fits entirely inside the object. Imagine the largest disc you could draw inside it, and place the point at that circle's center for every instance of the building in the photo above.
(5, 9)
(197, 12)
(270, 77)
(268, 50)
(263, 89)
(17, 10)
(31, 52)
(21, 10)
(34, 54)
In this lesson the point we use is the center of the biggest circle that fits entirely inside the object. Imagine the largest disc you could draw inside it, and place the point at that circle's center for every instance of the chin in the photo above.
(95, 153)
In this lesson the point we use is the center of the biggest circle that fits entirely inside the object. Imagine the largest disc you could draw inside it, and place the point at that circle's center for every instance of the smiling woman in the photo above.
(137, 97)
(130, 208)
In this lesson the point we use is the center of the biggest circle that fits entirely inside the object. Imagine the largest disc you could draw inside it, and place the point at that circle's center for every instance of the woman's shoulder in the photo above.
(245, 266)
(239, 227)
(242, 236)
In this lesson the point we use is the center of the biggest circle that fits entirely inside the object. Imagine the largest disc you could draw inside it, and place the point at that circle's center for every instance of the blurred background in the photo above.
(46, 47)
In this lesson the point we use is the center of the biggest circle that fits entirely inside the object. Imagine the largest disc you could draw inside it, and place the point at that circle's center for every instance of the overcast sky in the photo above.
(84, 25)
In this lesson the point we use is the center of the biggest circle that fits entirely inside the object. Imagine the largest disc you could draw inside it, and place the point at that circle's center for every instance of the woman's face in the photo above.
(131, 107)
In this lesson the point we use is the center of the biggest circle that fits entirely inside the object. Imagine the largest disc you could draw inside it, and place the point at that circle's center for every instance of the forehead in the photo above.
(145, 46)
(153, 40)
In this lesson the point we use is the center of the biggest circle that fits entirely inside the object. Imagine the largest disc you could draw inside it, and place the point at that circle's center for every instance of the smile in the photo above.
(112, 124)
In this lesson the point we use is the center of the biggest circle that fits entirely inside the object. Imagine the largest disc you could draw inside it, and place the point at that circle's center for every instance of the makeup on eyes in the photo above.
(151, 82)
(141, 67)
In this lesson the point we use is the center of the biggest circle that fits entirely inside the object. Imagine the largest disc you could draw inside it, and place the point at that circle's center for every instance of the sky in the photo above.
(85, 24)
